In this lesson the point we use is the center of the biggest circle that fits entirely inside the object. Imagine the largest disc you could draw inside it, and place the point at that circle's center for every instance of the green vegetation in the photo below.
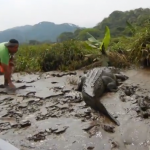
(121, 51)
(116, 22)
(69, 55)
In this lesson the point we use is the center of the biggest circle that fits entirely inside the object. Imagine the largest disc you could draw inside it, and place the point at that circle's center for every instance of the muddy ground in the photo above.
(46, 113)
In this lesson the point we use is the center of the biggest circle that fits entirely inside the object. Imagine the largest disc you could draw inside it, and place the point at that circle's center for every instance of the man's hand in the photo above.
(7, 76)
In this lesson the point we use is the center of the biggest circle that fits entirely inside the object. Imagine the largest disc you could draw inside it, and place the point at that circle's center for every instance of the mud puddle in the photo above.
(47, 113)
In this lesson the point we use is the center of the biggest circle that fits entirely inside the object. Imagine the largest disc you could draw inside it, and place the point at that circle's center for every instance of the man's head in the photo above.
(12, 46)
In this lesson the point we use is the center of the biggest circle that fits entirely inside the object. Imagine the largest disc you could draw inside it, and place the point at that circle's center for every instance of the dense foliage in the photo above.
(68, 55)
(122, 51)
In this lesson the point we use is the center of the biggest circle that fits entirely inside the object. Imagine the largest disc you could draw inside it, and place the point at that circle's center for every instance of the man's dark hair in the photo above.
(13, 41)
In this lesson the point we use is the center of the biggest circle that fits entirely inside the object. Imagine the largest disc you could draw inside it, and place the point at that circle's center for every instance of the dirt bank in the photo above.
(46, 113)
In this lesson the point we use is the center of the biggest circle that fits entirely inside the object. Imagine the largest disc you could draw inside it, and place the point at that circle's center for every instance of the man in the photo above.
(7, 50)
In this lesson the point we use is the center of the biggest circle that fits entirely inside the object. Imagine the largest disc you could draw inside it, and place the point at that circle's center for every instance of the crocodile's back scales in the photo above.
(92, 82)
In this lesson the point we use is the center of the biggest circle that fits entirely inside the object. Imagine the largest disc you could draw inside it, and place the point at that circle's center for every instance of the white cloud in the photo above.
(80, 12)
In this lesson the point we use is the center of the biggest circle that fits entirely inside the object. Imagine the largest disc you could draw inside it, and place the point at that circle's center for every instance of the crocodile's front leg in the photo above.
(121, 76)
(110, 84)
(80, 85)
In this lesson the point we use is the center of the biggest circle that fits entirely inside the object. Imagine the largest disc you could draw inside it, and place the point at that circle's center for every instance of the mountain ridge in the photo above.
(116, 21)
(41, 31)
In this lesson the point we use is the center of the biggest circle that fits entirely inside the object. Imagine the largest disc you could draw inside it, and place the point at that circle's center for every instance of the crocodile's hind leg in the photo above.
(110, 83)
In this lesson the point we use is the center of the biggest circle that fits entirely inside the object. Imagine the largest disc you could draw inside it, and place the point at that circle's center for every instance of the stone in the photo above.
(25, 123)
(61, 129)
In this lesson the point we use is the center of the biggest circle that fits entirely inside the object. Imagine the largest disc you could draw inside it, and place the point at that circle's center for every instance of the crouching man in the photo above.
(7, 50)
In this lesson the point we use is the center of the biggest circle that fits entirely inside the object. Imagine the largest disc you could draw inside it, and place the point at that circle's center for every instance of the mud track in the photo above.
(46, 113)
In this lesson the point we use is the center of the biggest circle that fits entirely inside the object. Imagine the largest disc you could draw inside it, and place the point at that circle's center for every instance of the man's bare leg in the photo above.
(5, 80)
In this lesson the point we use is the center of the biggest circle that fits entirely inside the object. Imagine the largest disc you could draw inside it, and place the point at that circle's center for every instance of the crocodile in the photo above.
(95, 83)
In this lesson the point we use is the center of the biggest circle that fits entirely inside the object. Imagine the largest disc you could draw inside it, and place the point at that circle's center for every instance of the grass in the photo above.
(64, 56)
(140, 49)
(72, 80)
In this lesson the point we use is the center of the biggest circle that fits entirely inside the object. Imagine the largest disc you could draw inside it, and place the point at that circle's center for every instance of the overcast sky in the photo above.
(85, 13)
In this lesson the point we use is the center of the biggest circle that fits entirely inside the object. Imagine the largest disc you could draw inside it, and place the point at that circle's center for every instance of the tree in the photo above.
(65, 36)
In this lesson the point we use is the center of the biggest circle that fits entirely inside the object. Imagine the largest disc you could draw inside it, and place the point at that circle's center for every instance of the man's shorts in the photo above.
(1, 68)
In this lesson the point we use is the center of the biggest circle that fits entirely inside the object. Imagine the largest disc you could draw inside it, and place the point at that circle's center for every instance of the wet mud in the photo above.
(47, 113)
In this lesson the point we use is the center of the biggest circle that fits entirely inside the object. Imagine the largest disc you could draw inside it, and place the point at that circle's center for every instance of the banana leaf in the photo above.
(91, 45)
(106, 39)
(92, 39)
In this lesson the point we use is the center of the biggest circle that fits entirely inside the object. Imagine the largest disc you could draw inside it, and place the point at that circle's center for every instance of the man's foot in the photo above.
(5, 84)
(11, 86)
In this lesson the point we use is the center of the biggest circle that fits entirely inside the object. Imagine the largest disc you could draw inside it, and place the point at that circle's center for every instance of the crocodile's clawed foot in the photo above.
(121, 77)
(114, 90)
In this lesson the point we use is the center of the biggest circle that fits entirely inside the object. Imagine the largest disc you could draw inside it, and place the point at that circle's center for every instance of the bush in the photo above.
(140, 47)
(72, 55)
(69, 55)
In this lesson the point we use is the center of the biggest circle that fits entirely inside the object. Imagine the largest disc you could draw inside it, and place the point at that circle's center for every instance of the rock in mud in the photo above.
(125, 98)
(64, 106)
(4, 113)
(114, 145)
(54, 128)
(145, 114)
(61, 129)
(37, 137)
(63, 74)
(93, 131)
(83, 113)
(5, 98)
(88, 126)
(5, 126)
(74, 97)
(137, 109)
(25, 123)
(90, 148)
(109, 128)
(23, 105)
(128, 90)
(138, 96)
(7, 120)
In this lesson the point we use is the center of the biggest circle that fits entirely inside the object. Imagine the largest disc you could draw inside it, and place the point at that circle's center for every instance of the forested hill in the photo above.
(116, 21)
(43, 31)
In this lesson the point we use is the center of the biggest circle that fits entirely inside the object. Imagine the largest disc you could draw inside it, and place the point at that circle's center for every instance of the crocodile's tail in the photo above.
(97, 105)
(102, 109)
